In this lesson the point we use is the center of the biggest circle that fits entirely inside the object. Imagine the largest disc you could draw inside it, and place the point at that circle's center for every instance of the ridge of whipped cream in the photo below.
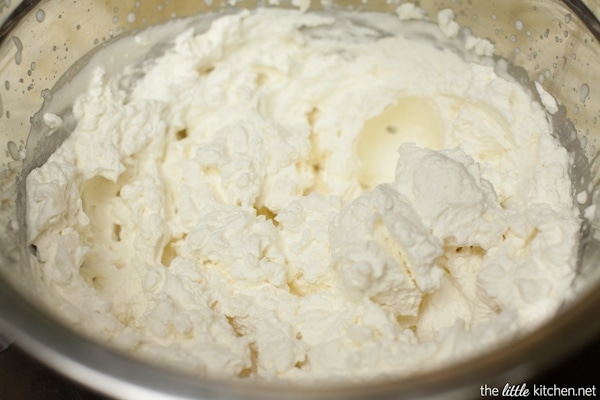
(295, 197)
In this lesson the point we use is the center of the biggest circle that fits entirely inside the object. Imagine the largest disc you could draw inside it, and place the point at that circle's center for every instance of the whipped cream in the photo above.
(292, 196)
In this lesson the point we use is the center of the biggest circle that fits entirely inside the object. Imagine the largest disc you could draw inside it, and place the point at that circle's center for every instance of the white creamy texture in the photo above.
(271, 203)
(547, 100)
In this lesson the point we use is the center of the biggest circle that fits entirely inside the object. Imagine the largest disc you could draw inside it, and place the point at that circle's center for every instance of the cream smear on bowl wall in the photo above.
(307, 197)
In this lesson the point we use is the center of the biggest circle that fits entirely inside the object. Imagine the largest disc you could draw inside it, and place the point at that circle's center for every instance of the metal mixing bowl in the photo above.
(552, 42)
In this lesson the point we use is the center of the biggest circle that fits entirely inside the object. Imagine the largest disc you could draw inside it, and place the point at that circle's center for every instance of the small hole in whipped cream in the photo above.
(169, 253)
(182, 134)
(268, 214)
(303, 363)
(98, 282)
(116, 232)
(206, 69)
(34, 250)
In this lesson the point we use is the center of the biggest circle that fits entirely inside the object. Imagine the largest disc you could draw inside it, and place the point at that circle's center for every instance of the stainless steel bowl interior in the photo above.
(554, 43)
